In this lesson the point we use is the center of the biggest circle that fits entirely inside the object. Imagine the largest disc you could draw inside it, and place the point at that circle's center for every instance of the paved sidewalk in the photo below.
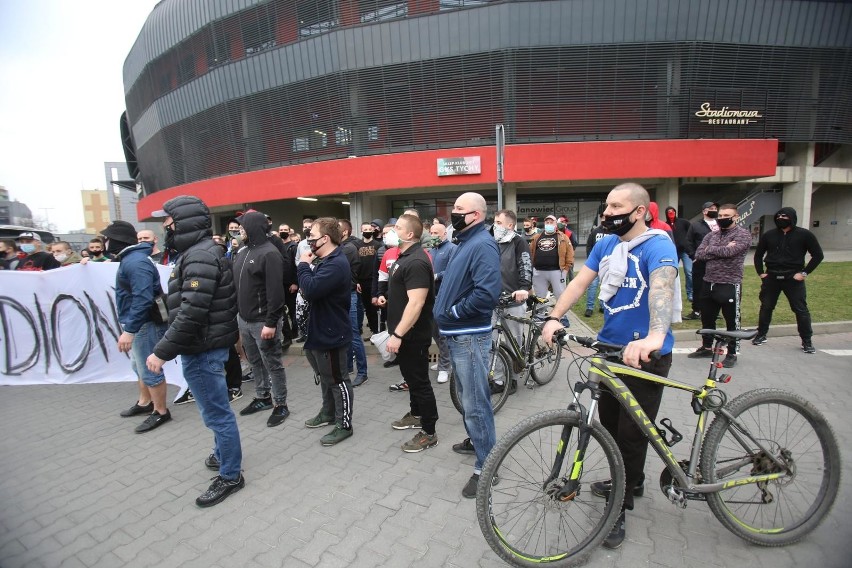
(79, 488)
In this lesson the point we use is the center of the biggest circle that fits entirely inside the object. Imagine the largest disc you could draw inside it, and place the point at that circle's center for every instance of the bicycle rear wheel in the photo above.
(547, 359)
(498, 395)
(777, 512)
(520, 519)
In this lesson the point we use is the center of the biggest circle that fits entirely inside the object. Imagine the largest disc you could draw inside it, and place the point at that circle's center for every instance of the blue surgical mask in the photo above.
(549, 228)
(28, 248)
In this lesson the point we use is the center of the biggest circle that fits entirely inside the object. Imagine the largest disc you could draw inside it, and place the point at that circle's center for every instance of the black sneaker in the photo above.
(701, 352)
(602, 488)
(389, 364)
(279, 415)
(588, 314)
(211, 462)
(248, 377)
(692, 316)
(469, 490)
(219, 490)
(616, 536)
(257, 405)
(759, 340)
(464, 447)
(136, 410)
(286, 343)
(185, 398)
(360, 380)
(153, 421)
(730, 361)
(808, 347)
(234, 394)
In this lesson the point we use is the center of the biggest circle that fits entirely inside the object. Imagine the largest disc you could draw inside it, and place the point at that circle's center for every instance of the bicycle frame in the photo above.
(603, 371)
(521, 354)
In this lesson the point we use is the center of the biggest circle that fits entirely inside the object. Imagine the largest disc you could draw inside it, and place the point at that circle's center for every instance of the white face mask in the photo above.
(60, 256)
(391, 239)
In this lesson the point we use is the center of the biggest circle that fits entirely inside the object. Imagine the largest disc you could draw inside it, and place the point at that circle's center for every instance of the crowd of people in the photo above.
(235, 302)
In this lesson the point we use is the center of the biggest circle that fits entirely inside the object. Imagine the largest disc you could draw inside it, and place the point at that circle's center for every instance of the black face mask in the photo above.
(783, 223)
(115, 247)
(712, 214)
(169, 240)
(458, 220)
(377, 234)
(368, 236)
(307, 232)
(284, 235)
(313, 244)
(618, 224)
(96, 252)
(725, 223)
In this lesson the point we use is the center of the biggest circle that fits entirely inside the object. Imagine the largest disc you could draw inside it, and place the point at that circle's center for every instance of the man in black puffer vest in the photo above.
(202, 326)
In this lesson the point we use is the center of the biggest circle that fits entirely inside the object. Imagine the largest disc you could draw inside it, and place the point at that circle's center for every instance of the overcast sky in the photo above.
(61, 97)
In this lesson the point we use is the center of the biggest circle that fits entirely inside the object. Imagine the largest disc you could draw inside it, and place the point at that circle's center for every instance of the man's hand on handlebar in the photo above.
(640, 350)
(549, 329)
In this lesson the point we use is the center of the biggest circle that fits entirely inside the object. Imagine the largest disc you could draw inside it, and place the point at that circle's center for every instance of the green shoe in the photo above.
(337, 435)
(319, 421)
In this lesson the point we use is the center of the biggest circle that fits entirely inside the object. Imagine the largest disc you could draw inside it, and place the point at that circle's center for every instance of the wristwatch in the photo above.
(395, 335)
(804, 273)
(551, 318)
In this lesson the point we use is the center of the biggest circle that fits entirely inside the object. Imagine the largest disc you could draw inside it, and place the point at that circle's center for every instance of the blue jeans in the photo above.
(205, 377)
(144, 341)
(470, 355)
(592, 294)
(357, 345)
(687, 270)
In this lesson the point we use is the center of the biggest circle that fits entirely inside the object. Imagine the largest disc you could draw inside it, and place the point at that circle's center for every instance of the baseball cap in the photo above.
(29, 235)
(550, 217)
(378, 223)
(709, 204)
(159, 214)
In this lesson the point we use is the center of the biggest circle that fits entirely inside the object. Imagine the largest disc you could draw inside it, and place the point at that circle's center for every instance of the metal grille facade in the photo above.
(222, 87)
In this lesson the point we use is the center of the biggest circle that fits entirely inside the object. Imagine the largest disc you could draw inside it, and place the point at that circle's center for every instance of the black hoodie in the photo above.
(202, 299)
(259, 274)
(785, 252)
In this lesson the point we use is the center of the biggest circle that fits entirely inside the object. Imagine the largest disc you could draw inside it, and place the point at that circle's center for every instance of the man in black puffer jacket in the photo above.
(202, 326)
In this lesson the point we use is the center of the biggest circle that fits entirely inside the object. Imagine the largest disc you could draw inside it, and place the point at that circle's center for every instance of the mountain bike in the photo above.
(768, 466)
(531, 358)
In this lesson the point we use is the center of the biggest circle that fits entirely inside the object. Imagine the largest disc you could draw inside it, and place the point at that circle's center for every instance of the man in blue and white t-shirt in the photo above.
(637, 268)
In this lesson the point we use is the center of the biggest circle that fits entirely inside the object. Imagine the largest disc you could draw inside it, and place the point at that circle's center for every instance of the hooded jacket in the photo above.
(202, 299)
(785, 252)
(680, 231)
(136, 283)
(655, 223)
(259, 274)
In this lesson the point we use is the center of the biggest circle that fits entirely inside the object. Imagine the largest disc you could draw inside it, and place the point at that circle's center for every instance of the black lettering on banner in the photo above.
(42, 320)
(100, 318)
(10, 365)
(80, 361)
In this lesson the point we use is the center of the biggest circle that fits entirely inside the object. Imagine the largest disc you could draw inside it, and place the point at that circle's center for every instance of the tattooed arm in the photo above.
(660, 300)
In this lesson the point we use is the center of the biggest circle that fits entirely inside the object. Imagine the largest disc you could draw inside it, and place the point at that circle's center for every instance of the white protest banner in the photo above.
(61, 326)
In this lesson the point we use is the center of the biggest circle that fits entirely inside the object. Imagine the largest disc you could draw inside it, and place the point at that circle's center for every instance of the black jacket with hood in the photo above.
(785, 252)
(259, 274)
(680, 233)
(202, 299)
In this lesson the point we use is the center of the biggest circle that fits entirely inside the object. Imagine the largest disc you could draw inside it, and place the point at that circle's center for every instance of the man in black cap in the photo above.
(697, 231)
(367, 246)
(202, 327)
(30, 243)
(137, 284)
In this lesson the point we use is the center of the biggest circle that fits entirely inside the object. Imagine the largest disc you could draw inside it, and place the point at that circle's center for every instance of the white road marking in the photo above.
(838, 352)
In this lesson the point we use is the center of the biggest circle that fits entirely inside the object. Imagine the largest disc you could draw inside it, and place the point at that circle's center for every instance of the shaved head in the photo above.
(634, 194)
(471, 201)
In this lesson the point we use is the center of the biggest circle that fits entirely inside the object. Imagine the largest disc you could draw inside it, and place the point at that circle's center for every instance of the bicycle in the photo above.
(768, 466)
(534, 360)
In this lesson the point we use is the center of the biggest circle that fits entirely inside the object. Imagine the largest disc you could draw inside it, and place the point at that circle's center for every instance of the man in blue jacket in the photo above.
(467, 297)
(137, 282)
(325, 282)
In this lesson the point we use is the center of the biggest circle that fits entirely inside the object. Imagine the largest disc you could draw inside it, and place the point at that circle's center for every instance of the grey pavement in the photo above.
(79, 488)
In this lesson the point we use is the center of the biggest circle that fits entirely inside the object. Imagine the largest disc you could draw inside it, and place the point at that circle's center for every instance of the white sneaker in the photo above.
(434, 367)
(443, 376)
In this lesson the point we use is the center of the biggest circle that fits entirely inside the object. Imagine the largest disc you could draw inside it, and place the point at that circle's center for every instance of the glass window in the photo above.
(342, 136)
(301, 144)
(372, 133)
(378, 10)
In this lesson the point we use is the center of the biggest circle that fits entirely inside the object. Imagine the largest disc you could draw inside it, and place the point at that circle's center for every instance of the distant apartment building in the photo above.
(96, 211)
(13, 212)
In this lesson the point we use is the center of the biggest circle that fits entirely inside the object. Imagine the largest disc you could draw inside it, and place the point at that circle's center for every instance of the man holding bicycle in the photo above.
(468, 295)
(638, 276)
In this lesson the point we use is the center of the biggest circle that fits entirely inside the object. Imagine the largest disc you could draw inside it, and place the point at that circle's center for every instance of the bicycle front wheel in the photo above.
(518, 513)
(545, 359)
(793, 431)
(500, 367)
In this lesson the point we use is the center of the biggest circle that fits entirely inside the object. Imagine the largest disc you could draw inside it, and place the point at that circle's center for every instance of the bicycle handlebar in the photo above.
(607, 349)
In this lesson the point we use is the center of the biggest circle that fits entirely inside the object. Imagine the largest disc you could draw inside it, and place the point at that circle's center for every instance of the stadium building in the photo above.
(372, 106)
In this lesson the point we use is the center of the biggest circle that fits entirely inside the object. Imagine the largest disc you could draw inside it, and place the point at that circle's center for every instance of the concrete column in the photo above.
(667, 195)
(798, 195)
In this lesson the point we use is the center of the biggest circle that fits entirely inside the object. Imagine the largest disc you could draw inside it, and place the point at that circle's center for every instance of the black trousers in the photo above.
(371, 311)
(628, 436)
(699, 267)
(233, 370)
(290, 329)
(724, 298)
(770, 289)
(414, 367)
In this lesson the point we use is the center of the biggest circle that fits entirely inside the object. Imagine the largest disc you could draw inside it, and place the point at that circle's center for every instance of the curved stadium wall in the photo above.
(224, 87)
